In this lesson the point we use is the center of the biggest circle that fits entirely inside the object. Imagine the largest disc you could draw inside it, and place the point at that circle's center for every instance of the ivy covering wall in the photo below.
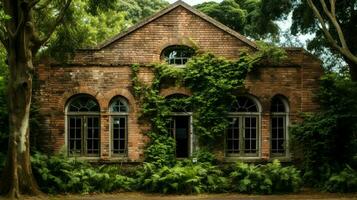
(214, 82)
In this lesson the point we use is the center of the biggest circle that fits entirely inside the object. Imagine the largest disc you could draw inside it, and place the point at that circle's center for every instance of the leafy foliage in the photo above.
(254, 18)
(89, 22)
(344, 181)
(268, 179)
(58, 174)
(182, 179)
(329, 137)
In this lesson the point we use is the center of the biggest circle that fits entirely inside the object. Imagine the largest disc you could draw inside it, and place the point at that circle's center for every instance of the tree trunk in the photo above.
(17, 177)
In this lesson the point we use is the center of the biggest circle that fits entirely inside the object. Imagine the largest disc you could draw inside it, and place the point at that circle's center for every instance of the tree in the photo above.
(26, 26)
(253, 18)
(30, 27)
(334, 25)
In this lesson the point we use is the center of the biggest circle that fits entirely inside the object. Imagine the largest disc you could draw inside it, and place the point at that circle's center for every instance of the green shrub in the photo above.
(58, 174)
(344, 181)
(204, 156)
(284, 179)
(264, 179)
(329, 136)
(186, 179)
(161, 151)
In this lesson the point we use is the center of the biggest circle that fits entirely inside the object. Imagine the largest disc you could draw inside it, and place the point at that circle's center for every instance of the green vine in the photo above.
(214, 82)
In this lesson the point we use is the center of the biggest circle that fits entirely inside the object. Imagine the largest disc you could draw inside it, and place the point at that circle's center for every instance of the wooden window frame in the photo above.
(241, 117)
(84, 133)
(283, 115)
(126, 117)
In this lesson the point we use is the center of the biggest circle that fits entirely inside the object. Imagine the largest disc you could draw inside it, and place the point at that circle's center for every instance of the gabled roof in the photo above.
(167, 10)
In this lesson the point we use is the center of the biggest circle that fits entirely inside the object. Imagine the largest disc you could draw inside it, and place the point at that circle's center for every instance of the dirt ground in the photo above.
(230, 196)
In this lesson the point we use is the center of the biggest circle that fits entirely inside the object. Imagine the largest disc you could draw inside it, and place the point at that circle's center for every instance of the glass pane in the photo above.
(250, 133)
(277, 105)
(119, 105)
(278, 134)
(83, 104)
(74, 135)
(243, 104)
(232, 136)
(93, 135)
(178, 54)
(119, 135)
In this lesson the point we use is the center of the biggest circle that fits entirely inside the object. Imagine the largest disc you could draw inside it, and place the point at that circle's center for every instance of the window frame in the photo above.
(285, 116)
(241, 116)
(84, 128)
(112, 116)
(169, 49)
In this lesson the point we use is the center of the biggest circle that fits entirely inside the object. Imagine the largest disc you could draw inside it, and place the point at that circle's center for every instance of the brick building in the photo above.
(89, 109)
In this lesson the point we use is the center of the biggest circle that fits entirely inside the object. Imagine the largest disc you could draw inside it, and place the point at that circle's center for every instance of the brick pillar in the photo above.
(265, 134)
(104, 137)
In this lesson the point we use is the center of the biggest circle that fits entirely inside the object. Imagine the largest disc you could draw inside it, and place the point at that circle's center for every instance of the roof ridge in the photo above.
(167, 10)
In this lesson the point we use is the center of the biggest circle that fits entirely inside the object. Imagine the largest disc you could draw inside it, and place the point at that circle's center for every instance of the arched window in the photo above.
(83, 126)
(177, 54)
(242, 135)
(279, 117)
(119, 110)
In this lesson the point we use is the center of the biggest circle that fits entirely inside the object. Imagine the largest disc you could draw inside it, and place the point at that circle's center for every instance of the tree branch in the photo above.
(334, 22)
(56, 22)
(344, 51)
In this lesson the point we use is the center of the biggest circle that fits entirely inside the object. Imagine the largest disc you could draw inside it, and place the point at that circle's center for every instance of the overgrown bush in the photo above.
(161, 151)
(344, 181)
(264, 179)
(329, 136)
(185, 179)
(58, 174)
(203, 155)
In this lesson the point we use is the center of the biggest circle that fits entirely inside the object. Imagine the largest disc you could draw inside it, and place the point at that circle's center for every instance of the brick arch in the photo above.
(174, 41)
(175, 90)
(81, 90)
(284, 99)
(123, 93)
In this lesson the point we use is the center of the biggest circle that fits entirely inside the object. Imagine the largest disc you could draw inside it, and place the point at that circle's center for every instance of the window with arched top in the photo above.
(177, 54)
(119, 111)
(83, 126)
(242, 135)
(279, 130)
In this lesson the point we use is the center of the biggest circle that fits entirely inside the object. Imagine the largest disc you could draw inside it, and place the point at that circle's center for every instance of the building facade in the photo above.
(89, 109)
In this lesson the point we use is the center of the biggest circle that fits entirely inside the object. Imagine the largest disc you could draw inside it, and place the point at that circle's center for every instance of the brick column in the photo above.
(265, 136)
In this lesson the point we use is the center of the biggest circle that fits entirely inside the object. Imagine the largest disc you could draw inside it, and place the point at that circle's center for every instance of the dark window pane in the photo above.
(277, 105)
(178, 54)
(119, 104)
(243, 104)
(83, 104)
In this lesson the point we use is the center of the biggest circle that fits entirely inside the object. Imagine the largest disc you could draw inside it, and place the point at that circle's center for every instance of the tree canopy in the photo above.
(253, 18)
(334, 25)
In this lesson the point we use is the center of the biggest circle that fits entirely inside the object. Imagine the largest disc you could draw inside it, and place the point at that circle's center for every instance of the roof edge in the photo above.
(167, 10)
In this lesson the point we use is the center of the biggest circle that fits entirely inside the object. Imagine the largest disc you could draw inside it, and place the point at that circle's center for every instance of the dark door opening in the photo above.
(180, 128)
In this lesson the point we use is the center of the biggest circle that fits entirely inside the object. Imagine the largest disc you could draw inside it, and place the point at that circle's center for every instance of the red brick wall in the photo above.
(105, 74)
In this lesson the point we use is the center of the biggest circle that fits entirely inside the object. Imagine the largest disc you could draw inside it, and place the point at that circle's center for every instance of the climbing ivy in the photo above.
(214, 82)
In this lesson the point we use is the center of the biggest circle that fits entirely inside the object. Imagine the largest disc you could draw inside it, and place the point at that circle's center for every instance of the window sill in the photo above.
(245, 159)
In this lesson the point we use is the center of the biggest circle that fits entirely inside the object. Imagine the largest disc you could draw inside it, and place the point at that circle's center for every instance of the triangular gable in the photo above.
(167, 10)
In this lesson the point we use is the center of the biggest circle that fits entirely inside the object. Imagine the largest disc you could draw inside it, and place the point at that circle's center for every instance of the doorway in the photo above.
(180, 130)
